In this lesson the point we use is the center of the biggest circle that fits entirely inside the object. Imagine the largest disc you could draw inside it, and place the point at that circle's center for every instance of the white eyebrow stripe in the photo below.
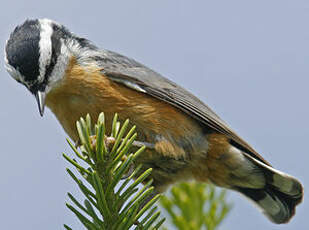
(45, 45)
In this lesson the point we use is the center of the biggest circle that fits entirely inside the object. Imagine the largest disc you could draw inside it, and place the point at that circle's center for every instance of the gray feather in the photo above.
(139, 77)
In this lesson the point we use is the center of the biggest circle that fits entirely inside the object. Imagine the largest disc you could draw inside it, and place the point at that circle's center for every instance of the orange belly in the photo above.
(180, 144)
(89, 91)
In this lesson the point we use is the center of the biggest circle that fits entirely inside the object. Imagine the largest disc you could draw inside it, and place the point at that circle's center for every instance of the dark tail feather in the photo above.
(277, 206)
(280, 195)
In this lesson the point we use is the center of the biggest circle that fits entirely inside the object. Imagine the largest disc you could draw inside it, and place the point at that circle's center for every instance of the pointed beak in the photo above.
(40, 98)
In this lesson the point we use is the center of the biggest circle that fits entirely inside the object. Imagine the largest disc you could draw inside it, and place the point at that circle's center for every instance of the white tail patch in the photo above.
(270, 206)
(282, 181)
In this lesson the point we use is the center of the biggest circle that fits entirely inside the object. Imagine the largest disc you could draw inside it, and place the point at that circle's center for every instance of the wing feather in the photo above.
(140, 78)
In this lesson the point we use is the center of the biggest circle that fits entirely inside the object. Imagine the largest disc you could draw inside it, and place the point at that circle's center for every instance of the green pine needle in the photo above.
(108, 161)
(113, 203)
(193, 206)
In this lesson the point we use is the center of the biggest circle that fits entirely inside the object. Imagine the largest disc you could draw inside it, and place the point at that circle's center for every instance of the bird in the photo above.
(188, 141)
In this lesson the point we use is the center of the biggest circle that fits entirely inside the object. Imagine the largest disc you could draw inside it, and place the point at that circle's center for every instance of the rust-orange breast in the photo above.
(85, 91)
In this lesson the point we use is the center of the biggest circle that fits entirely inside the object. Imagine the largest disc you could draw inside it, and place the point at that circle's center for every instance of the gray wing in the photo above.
(138, 77)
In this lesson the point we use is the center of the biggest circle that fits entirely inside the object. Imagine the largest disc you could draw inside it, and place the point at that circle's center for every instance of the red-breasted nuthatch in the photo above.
(189, 141)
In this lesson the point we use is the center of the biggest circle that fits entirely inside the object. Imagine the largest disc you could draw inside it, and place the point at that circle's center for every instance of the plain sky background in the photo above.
(248, 60)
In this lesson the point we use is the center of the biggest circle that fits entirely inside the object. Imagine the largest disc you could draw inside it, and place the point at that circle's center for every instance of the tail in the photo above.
(278, 196)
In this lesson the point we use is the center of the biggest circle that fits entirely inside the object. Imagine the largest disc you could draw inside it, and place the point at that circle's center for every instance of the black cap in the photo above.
(23, 52)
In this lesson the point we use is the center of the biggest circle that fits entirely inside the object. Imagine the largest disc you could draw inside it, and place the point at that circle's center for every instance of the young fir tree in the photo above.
(114, 201)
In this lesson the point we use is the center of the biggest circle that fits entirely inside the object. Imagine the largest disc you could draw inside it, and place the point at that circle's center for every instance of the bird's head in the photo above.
(37, 54)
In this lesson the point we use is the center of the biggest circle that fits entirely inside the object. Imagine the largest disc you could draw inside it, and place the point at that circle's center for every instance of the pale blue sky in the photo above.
(248, 60)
